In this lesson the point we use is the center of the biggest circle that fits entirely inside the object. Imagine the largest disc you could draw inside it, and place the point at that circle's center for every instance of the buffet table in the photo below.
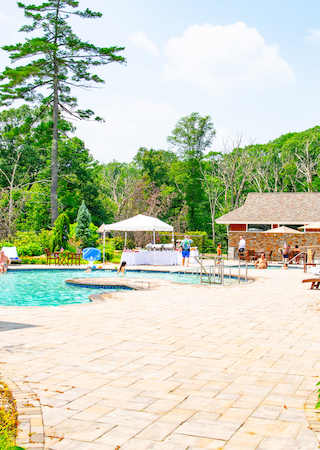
(166, 258)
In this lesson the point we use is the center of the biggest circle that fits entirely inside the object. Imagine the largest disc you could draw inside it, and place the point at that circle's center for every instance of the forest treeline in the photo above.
(186, 185)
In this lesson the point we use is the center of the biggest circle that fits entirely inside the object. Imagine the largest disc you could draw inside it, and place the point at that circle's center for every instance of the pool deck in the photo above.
(176, 367)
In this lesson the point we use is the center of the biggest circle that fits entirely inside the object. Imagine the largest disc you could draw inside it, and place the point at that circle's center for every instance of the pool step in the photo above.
(109, 283)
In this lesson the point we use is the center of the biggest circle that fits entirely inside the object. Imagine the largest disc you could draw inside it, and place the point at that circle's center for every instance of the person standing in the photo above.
(285, 254)
(185, 248)
(219, 253)
(242, 245)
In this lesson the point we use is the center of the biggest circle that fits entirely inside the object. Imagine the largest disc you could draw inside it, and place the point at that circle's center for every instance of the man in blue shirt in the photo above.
(185, 247)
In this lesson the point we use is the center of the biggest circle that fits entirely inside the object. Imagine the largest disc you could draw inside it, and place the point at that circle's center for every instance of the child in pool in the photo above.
(122, 268)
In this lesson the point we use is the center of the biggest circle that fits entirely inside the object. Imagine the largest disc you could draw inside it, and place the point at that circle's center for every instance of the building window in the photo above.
(295, 227)
(238, 227)
(258, 227)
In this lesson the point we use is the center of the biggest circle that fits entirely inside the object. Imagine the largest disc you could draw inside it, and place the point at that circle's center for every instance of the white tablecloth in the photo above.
(315, 270)
(191, 259)
(166, 258)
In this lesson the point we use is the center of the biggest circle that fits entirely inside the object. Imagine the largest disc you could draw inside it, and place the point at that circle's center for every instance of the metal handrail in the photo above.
(212, 278)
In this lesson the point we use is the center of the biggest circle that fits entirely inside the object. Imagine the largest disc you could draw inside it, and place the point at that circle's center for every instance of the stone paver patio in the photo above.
(173, 368)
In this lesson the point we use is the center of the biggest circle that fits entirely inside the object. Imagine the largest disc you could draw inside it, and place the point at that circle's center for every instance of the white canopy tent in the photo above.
(136, 223)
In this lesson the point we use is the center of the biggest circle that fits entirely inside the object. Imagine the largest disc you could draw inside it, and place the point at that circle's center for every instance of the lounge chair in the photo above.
(11, 253)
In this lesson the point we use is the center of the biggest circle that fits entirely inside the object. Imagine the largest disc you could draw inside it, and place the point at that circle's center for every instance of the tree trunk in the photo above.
(54, 152)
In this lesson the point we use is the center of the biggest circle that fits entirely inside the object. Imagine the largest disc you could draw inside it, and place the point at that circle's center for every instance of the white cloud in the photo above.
(314, 36)
(127, 127)
(224, 59)
(144, 43)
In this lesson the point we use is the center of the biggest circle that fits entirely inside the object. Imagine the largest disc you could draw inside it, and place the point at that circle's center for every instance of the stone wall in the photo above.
(268, 242)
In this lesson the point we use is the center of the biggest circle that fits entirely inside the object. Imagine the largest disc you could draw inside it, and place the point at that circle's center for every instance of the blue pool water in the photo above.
(48, 287)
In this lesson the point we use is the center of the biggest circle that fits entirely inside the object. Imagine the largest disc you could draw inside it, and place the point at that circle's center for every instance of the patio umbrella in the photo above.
(283, 230)
(312, 225)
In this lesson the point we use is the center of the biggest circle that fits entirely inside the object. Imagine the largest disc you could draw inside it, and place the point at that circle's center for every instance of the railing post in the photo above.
(222, 272)
(214, 271)
(246, 279)
(201, 269)
(239, 272)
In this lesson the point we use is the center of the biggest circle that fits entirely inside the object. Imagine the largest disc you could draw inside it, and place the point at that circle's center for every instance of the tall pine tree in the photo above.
(61, 61)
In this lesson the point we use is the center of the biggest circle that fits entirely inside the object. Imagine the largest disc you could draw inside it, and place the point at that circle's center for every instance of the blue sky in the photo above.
(252, 65)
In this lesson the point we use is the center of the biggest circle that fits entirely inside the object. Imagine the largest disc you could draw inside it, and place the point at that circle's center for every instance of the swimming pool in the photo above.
(47, 287)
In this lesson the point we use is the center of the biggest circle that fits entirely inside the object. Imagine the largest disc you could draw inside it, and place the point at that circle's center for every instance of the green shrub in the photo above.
(29, 260)
(8, 419)
(116, 258)
(82, 230)
(46, 239)
(208, 246)
(61, 232)
(32, 249)
(30, 243)
(109, 250)
(6, 244)
(118, 242)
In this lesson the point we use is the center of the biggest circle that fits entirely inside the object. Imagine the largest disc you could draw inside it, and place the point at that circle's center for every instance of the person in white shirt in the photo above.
(242, 245)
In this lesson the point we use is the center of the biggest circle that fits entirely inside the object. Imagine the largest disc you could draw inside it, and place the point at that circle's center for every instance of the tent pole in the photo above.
(125, 240)
(104, 246)
(154, 241)
(173, 237)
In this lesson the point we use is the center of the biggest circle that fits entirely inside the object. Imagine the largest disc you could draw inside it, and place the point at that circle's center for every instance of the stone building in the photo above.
(262, 212)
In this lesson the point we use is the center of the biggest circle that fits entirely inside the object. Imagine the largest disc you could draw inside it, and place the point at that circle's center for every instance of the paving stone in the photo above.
(172, 369)
(277, 443)
(271, 427)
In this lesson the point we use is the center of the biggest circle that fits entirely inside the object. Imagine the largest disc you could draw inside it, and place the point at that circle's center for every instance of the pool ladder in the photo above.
(215, 274)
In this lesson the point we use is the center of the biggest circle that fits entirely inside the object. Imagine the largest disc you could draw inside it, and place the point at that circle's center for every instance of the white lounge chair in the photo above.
(11, 252)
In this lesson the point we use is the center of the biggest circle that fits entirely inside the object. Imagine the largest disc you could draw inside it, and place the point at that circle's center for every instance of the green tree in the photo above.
(21, 156)
(83, 231)
(62, 61)
(61, 232)
(156, 165)
(117, 182)
(192, 136)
